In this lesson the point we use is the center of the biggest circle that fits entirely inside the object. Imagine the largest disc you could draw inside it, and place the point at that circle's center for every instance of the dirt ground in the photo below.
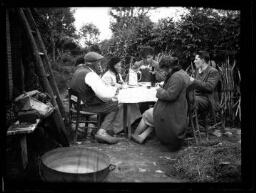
(134, 162)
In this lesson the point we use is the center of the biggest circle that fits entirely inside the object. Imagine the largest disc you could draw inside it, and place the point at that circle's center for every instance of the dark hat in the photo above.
(92, 57)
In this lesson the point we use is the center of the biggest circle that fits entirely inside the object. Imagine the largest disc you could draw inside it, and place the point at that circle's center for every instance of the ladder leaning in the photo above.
(43, 70)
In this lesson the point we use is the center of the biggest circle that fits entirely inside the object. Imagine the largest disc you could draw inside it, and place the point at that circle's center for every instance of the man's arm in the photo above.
(210, 84)
(160, 76)
(101, 90)
(138, 64)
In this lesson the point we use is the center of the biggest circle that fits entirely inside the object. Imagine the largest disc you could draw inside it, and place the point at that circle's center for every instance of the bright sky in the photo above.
(99, 17)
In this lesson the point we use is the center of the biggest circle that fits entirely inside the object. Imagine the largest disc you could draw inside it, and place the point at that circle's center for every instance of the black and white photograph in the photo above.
(124, 94)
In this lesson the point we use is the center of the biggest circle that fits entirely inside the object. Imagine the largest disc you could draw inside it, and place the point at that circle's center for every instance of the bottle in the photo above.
(153, 77)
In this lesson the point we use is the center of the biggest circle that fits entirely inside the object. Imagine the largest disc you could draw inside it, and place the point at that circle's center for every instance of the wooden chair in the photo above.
(75, 111)
(194, 120)
(193, 116)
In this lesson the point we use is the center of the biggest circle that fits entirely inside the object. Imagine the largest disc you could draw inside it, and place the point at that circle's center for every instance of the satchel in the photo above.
(27, 102)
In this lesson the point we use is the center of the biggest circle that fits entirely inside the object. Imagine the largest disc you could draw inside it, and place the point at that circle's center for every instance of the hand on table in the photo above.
(159, 84)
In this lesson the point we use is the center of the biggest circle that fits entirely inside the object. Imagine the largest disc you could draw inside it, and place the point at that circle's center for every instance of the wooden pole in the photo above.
(48, 67)
(24, 152)
(43, 78)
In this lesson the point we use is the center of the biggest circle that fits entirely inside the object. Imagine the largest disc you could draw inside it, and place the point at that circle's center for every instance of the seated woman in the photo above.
(169, 115)
(113, 77)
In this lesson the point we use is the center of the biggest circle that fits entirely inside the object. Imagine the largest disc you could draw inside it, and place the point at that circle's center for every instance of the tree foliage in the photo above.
(216, 31)
(57, 28)
(91, 34)
(128, 22)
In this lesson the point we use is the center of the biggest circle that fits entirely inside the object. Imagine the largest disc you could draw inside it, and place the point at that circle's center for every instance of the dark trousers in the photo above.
(110, 109)
(203, 103)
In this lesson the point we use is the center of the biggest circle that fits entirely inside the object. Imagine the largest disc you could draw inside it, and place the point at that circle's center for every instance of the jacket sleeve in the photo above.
(172, 92)
(209, 85)
(160, 76)
(101, 90)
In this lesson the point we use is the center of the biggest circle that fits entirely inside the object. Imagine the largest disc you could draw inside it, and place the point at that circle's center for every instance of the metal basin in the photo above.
(75, 164)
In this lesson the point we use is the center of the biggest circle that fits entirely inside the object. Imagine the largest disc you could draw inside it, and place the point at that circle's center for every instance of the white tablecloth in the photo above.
(137, 95)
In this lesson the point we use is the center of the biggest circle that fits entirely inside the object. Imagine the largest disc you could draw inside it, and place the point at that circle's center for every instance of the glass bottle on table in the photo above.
(153, 77)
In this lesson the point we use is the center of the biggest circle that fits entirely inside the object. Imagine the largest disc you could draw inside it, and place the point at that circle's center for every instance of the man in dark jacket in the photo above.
(204, 83)
(96, 96)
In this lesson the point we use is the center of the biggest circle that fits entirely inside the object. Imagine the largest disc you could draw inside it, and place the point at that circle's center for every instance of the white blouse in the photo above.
(109, 78)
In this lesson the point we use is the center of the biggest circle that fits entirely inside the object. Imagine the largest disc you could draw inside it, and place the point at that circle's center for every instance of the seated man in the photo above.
(96, 96)
(204, 83)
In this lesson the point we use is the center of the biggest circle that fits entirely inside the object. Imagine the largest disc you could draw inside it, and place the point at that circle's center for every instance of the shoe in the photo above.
(137, 139)
(102, 137)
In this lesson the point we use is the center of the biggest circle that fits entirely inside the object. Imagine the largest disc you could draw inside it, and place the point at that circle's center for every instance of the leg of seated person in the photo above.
(203, 103)
(132, 110)
(141, 127)
(111, 110)
(145, 127)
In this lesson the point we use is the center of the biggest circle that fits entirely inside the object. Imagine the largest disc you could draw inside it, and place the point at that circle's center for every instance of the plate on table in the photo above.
(132, 86)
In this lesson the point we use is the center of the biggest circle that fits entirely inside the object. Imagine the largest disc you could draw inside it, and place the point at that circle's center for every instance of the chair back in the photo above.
(74, 100)
(190, 96)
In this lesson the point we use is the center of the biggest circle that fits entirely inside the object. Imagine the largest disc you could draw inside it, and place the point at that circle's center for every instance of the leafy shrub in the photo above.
(62, 75)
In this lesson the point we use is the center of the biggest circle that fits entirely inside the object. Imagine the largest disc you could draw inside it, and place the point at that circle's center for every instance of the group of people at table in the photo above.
(168, 116)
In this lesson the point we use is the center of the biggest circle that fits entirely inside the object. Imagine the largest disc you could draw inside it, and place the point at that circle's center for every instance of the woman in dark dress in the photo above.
(169, 115)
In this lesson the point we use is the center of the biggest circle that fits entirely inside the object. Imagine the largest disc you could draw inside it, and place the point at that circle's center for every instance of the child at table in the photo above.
(169, 115)
(112, 77)
(145, 66)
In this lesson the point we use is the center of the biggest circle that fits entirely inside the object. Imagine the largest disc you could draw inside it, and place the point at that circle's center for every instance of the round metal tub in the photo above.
(75, 164)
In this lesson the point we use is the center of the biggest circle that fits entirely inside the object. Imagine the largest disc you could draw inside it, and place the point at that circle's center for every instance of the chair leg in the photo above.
(70, 122)
(76, 129)
(197, 126)
(205, 126)
(193, 128)
(98, 121)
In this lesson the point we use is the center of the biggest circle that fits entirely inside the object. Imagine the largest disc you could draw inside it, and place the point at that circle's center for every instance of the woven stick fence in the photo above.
(230, 99)
(230, 93)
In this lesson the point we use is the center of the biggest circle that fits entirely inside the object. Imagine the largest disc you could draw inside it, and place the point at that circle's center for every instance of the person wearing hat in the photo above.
(96, 96)
(169, 115)
(113, 78)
